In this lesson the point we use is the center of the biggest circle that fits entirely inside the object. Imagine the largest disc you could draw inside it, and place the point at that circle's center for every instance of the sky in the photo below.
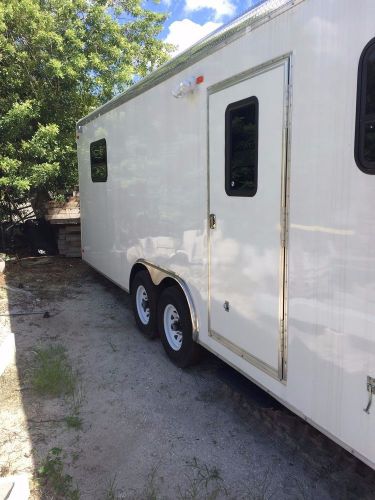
(191, 20)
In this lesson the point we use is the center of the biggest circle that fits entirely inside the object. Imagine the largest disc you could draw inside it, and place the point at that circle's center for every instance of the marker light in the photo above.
(187, 86)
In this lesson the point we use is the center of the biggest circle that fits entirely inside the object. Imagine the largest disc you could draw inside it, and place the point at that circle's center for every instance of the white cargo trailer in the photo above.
(230, 193)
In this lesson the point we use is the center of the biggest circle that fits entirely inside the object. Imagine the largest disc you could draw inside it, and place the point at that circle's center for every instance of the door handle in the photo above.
(212, 221)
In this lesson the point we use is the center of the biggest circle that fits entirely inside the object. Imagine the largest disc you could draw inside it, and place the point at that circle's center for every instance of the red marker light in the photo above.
(199, 79)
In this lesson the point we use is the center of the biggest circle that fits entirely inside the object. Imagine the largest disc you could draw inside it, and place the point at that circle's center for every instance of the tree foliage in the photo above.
(59, 59)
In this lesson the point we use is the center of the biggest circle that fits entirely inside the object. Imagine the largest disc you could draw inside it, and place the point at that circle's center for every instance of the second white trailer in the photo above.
(231, 193)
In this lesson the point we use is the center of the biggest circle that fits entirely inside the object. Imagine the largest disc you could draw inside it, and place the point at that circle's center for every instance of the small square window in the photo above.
(98, 160)
(365, 127)
(241, 148)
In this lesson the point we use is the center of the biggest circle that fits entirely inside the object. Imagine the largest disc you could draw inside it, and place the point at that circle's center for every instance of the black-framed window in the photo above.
(241, 147)
(98, 161)
(365, 126)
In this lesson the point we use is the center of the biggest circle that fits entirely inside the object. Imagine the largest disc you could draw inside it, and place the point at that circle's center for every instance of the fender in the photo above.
(158, 274)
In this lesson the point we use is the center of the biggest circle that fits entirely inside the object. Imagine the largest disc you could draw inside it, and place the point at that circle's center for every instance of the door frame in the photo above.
(285, 61)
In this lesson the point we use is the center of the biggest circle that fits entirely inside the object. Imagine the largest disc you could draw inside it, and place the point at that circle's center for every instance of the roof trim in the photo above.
(226, 34)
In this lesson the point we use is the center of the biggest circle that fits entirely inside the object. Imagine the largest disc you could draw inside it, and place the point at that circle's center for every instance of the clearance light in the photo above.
(187, 87)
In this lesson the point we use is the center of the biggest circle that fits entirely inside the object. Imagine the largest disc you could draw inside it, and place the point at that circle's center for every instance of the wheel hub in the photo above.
(143, 304)
(176, 326)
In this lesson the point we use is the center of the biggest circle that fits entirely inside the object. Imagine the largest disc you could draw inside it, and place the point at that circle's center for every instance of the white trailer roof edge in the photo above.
(253, 18)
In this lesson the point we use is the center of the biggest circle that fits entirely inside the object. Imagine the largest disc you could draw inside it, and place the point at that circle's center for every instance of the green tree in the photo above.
(59, 59)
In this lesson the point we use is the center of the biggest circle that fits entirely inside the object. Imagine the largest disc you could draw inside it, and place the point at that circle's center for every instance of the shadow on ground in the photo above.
(136, 427)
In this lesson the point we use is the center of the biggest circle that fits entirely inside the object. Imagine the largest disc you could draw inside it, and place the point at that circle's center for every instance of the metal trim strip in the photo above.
(248, 74)
(288, 132)
(253, 360)
(283, 223)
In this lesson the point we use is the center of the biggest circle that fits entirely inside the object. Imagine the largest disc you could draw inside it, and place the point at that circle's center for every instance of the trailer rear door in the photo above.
(247, 193)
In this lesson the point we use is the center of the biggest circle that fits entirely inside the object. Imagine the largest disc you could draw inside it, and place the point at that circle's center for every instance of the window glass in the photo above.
(241, 148)
(370, 82)
(369, 142)
(98, 158)
(365, 128)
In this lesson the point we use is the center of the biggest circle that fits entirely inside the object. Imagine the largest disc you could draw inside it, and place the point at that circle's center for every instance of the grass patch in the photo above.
(52, 373)
(78, 396)
(74, 422)
(53, 479)
(151, 491)
(204, 483)
(111, 492)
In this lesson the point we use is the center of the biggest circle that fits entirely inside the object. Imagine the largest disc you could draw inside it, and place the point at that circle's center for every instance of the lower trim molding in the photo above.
(258, 363)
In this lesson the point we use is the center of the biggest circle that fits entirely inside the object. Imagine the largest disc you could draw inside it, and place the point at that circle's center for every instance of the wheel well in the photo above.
(138, 267)
(167, 282)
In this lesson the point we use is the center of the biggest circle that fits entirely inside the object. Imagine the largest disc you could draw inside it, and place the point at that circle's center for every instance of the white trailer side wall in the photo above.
(154, 206)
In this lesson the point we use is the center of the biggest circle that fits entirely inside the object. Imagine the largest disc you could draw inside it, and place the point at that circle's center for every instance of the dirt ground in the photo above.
(145, 429)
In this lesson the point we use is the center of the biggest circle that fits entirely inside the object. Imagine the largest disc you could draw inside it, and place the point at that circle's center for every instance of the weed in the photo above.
(52, 373)
(113, 346)
(74, 421)
(76, 400)
(150, 491)
(302, 490)
(205, 483)
(75, 456)
(111, 489)
(261, 487)
(77, 397)
(4, 470)
(51, 475)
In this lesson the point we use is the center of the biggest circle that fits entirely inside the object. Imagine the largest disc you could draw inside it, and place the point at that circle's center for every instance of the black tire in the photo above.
(188, 352)
(149, 328)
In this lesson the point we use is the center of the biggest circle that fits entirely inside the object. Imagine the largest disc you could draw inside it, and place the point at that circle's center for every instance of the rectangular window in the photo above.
(98, 159)
(241, 147)
(365, 130)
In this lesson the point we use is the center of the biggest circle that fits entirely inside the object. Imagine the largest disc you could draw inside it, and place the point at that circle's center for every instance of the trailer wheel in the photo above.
(143, 294)
(174, 325)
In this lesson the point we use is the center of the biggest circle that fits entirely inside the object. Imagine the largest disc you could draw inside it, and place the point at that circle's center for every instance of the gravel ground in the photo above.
(147, 429)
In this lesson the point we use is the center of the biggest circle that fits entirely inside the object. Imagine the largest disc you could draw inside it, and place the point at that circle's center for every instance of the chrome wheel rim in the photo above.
(143, 305)
(172, 327)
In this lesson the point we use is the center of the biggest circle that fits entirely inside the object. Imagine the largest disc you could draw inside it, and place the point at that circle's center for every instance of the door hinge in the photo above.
(282, 325)
(212, 221)
(283, 229)
(287, 101)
